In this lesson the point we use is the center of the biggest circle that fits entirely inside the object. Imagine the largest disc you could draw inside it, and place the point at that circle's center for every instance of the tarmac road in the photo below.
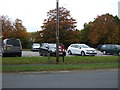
(30, 54)
(62, 79)
(36, 54)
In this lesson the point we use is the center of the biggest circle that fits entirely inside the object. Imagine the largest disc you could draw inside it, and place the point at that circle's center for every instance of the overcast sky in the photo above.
(33, 12)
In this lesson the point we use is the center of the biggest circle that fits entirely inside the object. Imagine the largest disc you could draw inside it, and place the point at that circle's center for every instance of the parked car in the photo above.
(99, 47)
(35, 47)
(81, 49)
(50, 48)
(12, 47)
(110, 49)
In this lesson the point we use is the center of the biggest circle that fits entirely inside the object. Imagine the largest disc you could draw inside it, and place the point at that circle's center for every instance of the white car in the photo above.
(35, 47)
(81, 49)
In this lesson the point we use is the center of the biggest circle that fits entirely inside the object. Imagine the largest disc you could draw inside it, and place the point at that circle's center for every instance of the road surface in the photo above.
(63, 79)
(36, 54)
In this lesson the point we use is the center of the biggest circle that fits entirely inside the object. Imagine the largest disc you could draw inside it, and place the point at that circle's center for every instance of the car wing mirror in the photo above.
(47, 47)
(115, 47)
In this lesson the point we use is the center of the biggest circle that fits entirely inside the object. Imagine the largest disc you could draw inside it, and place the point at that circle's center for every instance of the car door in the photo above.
(72, 49)
(44, 49)
(78, 49)
(111, 49)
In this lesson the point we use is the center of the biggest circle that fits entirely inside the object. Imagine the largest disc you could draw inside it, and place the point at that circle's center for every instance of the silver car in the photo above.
(35, 47)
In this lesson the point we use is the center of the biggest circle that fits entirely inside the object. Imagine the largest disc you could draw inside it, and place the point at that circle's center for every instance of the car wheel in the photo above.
(69, 52)
(40, 53)
(20, 54)
(104, 52)
(118, 53)
(82, 53)
(3, 55)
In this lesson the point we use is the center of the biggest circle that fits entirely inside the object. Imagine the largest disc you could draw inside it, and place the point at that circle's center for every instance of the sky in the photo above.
(33, 12)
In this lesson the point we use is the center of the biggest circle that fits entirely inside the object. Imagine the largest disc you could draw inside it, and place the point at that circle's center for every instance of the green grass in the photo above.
(24, 68)
(22, 64)
(26, 49)
(68, 60)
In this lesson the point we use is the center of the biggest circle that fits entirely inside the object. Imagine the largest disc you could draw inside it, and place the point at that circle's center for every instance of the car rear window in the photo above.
(118, 46)
(35, 44)
(52, 45)
(13, 42)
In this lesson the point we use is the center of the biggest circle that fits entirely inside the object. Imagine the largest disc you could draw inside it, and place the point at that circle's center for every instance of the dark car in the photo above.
(99, 47)
(110, 49)
(12, 47)
(50, 48)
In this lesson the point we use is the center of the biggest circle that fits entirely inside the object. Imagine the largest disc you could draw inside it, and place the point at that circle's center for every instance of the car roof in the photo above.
(109, 44)
(10, 38)
(78, 44)
(35, 43)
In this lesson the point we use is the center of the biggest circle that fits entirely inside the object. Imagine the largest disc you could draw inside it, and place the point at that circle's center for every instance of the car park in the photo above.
(11, 47)
(35, 47)
(110, 49)
(50, 49)
(81, 49)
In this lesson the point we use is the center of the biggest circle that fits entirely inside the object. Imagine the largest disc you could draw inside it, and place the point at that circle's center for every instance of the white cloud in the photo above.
(33, 12)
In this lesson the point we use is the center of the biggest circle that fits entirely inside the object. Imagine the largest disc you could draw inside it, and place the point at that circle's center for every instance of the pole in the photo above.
(57, 31)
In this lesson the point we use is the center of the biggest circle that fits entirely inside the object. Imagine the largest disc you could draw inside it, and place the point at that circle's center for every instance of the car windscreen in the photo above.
(118, 46)
(52, 45)
(13, 42)
(84, 46)
(36, 44)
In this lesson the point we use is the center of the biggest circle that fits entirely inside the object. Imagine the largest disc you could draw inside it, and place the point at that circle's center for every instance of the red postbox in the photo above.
(63, 48)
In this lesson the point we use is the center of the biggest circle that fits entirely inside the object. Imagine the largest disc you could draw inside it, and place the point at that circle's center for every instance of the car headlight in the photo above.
(54, 50)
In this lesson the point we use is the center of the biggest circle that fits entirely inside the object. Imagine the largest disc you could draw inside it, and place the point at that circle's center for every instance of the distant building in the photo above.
(119, 9)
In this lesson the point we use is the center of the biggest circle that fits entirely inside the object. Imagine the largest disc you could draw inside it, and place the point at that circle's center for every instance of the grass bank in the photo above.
(24, 68)
(52, 60)
(23, 64)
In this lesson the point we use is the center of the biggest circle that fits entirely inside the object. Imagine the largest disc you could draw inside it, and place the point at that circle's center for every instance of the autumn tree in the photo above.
(104, 29)
(67, 27)
(7, 26)
(21, 33)
(14, 30)
(37, 36)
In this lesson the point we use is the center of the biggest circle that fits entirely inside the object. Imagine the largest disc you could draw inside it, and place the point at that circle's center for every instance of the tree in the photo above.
(14, 30)
(21, 33)
(37, 36)
(67, 28)
(84, 34)
(104, 29)
(7, 26)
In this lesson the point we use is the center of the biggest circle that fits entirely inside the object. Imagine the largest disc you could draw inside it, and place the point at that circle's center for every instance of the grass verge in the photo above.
(23, 64)
(26, 49)
(52, 60)
(24, 68)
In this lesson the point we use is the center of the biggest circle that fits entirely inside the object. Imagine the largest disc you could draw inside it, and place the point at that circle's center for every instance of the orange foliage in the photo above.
(104, 30)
